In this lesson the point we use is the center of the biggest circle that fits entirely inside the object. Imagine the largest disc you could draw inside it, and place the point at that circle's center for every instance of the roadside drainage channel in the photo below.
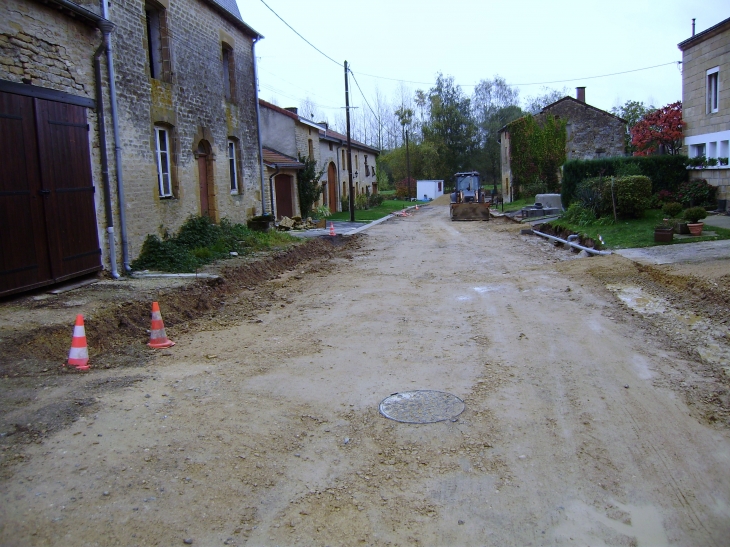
(422, 407)
(566, 242)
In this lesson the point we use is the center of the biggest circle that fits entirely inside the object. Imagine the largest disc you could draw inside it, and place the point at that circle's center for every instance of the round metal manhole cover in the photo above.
(421, 407)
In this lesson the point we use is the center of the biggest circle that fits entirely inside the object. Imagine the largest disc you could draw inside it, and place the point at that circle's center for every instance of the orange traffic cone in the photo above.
(78, 356)
(332, 229)
(158, 337)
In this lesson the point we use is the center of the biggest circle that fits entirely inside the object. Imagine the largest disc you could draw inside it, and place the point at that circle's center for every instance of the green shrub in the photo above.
(361, 202)
(632, 195)
(697, 192)
(374, 200)
(666, 172)
(672, 209)
(694, 214)
(199, 242)
(578, 214)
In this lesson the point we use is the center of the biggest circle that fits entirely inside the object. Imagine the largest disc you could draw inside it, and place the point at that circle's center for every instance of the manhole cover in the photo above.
(421, 407)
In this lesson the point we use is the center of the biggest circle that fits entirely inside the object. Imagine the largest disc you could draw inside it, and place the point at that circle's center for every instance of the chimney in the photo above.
(580, 94)
(693, 26)
(292, 109)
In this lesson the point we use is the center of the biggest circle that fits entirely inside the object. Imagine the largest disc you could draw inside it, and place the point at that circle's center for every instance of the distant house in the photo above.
(333, 152)
(591, 133)
(285, 132)
(706, 102)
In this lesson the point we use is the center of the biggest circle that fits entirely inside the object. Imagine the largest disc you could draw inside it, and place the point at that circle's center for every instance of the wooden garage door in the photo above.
(48, 229)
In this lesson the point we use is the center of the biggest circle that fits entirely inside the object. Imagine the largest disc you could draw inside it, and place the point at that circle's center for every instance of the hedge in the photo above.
(665, 172)
(631, 195)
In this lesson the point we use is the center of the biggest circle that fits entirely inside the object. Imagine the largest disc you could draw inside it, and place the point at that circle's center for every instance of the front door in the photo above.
(332, 187)
(203, 179)
(284, 200)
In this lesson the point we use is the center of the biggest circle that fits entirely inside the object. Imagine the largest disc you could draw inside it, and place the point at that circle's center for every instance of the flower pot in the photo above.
(663, 235)
(695, 229)
(681, 228)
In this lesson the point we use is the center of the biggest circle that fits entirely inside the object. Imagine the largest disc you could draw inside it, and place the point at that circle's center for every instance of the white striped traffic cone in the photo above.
(332, 229)
(158, 337)
(78, 356)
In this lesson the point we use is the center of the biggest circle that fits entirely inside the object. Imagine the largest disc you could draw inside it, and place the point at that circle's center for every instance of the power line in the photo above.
(302, 37)
(601, 76)
(363, 96)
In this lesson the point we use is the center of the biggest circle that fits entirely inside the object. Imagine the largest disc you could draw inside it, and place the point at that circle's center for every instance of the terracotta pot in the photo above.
(695, 229)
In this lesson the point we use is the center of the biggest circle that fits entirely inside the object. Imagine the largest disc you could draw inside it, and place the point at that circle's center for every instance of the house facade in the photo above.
(288, 135)
(591, 133)
(335, 181)
(142, 112)
(706, 103)
(51, 193)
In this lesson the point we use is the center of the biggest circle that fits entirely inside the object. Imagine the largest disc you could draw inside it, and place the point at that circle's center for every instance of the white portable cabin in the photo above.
(429, 189)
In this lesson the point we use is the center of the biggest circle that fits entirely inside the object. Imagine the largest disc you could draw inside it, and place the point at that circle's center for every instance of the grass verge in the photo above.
(375, 213)
(626, 234)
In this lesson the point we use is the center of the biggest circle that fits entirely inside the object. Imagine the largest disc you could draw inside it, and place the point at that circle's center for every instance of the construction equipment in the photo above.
(468, 200)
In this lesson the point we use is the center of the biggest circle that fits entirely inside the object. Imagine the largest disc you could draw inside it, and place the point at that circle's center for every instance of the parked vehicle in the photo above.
(469, 201)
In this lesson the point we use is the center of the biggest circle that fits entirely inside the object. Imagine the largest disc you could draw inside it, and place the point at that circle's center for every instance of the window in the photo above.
(229, 72)
(162, 148)
(344, 163)
(697, 150)
(158, 43)
(311, 149)
(357, 162)
(373, 168)
(232, 166)
(712, 89)
(330, 146)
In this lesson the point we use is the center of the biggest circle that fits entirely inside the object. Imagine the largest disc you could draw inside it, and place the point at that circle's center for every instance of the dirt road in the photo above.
(596, 409)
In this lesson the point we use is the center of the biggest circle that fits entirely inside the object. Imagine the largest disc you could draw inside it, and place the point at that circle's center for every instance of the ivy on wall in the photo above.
(537, 150)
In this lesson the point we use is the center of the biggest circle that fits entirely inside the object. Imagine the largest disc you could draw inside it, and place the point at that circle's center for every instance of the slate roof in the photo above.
(229, 9)
(273, 158)
(329, 134)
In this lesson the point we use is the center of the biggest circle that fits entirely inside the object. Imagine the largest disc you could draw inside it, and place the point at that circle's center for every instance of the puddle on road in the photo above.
(643, 523)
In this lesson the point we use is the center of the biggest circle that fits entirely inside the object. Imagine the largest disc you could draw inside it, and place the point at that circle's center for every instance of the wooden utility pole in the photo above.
(349, 146)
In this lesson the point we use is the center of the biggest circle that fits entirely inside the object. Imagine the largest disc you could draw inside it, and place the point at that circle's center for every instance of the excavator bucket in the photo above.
(469, 211)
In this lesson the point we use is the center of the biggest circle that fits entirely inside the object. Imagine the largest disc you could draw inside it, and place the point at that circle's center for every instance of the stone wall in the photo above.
(193, 107)
(591, 132)
(41, 46)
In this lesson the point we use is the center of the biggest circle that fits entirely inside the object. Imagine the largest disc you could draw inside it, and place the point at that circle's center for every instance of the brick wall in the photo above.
(193, 106)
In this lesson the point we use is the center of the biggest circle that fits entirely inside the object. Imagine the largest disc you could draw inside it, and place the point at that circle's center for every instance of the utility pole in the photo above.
(349, 146)
(408, 166)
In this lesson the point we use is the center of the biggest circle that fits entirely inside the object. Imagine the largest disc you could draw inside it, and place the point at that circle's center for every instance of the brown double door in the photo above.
(48, 230)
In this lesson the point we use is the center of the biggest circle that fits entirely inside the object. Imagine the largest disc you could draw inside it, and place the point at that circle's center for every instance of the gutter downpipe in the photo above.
(121, 202)
(575, 245)
(271, 185)
(105, 27)
(258, 129)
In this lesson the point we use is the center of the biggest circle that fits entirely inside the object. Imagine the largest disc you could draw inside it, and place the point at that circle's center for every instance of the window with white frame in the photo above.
(696, 150)
(713, 94)
(232, 166)
(162, 149)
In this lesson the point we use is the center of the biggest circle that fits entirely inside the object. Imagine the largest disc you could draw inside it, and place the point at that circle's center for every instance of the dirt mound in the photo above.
(442, 200)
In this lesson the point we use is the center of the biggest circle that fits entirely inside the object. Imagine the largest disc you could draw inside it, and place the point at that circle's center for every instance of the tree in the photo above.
(632, 112)
(450, 128)
(495, 104)
(659, 129)
(535, 104)
(308, 184)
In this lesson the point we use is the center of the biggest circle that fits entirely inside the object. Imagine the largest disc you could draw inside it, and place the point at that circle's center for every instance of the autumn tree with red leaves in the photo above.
(662, 127)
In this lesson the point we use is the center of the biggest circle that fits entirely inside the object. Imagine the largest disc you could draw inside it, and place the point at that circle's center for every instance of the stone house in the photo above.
(143, 112)
(52, 200)
(333, 154)
(591, 133)
(706, 103)
(288, 137)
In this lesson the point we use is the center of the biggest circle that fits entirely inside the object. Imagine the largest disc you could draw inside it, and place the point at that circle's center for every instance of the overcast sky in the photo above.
(532, 44)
